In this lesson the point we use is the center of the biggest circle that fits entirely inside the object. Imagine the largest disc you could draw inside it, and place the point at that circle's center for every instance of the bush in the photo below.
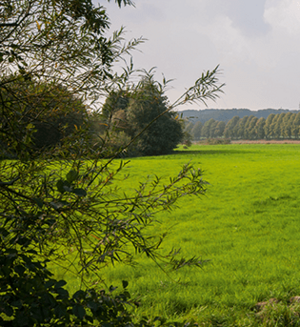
(217, 141)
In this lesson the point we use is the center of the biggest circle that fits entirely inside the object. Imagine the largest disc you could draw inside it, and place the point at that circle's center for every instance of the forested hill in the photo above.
(226, 114)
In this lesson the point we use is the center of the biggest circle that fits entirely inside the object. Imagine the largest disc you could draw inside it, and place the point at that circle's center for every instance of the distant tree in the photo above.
(197, 130)
(250, 129)
(274, 127)
(213, 126)
(116, 101)
(286, 128)
(259, 127)
(147, 102)
(246, 127)
(268, 126)
(219, 131)
(277, 125)
(188, 126)
(296, 126)
(241, 127)
(230, 128)
(206, 129)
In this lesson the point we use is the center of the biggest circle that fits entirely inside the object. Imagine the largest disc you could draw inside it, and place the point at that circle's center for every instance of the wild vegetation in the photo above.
(68, 207)
(60, 201)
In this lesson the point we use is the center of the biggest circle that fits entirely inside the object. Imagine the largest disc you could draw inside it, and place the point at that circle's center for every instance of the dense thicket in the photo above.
(276, 126)
(50, 110)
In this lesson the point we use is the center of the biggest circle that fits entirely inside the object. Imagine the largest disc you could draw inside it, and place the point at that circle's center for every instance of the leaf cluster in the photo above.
(30, 296)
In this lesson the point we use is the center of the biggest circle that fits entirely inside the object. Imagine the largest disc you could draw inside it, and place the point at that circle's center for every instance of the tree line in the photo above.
(276, 126)
(227, 114)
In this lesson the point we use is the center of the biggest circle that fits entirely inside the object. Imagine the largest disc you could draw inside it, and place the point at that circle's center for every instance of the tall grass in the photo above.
(247, 227)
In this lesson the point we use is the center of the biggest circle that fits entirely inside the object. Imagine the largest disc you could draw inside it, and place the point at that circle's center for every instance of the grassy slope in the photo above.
(248, 226)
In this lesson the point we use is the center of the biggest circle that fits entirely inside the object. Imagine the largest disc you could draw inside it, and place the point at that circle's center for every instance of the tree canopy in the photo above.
(132, 111)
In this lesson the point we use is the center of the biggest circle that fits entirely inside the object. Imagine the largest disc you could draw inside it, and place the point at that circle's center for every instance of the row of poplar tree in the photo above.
(284, 125)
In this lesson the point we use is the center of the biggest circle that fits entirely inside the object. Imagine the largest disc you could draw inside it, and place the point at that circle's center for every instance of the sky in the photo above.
(255, 42)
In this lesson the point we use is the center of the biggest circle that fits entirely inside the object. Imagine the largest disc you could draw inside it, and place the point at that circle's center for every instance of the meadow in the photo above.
(247, 227)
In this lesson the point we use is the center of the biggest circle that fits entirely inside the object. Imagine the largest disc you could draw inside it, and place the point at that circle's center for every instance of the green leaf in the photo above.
(67, 188)
(112, 288)
(39, 202)
(30, 126)
(78, 311)
(60, 311)
(60, 186)
(21, 320)
(79, 192)
(59, 205)
(125, 283)
(62, 293)
(79, 295)
(8, 310)
(17, 303)
(72, 175)
(63, 186)
(60, 283)
(92, 305)
(49, 283)
(19, 270)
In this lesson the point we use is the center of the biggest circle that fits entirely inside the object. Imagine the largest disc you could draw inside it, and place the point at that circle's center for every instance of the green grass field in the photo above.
(247, 226)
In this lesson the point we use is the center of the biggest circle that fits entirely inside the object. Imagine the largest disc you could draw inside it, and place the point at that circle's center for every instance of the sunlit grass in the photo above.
(247, 226)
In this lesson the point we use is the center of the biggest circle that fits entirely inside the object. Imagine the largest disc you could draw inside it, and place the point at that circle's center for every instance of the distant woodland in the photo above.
(242, 124)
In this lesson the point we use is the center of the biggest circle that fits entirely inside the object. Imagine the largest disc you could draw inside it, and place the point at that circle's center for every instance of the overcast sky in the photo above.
(255, 42)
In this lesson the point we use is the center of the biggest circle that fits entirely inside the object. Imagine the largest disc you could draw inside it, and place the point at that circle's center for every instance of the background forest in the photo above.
(285, 125)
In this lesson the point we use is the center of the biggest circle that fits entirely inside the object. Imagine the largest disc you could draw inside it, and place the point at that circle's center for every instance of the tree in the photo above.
(241, 127)
(251, 130)
(56, 42)
(188, 126)
(187, 136)
(213, 126)
(296, 126)
(260, 132)
(46, 205)
(277, 127)
(219, 131)
(51, 108)
(146, 103)
(286, 128)
(146, 100)
(231, 126)
(196, 130)
(206, 129)
(133, 110)
(268, 126)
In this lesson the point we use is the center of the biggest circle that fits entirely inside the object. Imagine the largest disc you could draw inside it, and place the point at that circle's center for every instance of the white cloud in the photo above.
(284, 15)
(254, 41)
